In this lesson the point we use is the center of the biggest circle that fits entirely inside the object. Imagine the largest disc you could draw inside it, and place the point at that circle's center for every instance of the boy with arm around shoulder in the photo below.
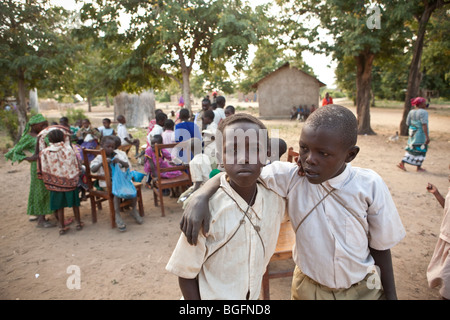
(344, 217)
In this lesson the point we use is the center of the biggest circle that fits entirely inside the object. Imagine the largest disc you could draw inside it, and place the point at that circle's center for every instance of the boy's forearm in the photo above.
(383, 260)
(189, 288)
(196, 213)
(439, 198)
(211, 186)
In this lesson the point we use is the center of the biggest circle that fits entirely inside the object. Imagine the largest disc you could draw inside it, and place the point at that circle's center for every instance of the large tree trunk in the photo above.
(187, 90)
(364, 64)
(414, 76)
(89, 101)
(22, 103)
(137, 109)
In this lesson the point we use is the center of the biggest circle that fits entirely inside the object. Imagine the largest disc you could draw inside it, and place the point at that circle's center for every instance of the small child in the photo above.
(89, 135)
(230, 262)
(60, 168)
(438, 272)
(109, 144)
(125, 137)
(229, 111)
(168, 135)
(208, 121)
(344, 217)
(165, 157)
(199, 169)
(161, 118)
(106, 129)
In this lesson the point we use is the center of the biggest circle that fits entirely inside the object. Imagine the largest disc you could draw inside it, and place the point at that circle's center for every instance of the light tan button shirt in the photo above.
(332, 246)
(236, 268)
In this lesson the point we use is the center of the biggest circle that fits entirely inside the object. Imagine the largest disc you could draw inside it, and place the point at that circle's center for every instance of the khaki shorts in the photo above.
(305, 288)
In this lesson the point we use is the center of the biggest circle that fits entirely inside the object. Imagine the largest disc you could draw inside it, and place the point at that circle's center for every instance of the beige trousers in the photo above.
(305, 288)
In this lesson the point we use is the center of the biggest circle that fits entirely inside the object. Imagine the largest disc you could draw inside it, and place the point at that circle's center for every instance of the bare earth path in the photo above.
(131, 265)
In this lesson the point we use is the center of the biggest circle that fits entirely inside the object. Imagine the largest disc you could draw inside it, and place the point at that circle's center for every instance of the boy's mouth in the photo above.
(311, 174)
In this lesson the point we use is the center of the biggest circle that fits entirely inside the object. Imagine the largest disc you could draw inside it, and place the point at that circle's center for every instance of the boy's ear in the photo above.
(352, 153)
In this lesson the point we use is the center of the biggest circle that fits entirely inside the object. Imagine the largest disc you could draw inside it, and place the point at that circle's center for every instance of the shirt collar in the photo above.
(243, 205)
(339, 181)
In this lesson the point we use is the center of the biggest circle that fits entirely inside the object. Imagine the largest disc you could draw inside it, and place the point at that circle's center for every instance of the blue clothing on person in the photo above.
(185, 131)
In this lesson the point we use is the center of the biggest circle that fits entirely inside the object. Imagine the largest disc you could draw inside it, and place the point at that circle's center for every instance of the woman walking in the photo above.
(417, 122)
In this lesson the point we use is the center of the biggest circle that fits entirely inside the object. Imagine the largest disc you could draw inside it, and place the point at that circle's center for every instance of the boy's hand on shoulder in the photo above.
(195, 215)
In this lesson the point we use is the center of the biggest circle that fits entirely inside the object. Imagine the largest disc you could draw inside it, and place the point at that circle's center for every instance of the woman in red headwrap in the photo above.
(419, 138)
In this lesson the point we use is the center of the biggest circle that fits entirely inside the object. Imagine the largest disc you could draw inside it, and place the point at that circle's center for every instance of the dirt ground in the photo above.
(35, 263)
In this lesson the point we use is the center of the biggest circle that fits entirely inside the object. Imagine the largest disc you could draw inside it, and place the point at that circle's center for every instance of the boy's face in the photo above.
(85, 124)
(242, 160)
(227, 113)
(109, 147)
(106, 124)
(323, 155)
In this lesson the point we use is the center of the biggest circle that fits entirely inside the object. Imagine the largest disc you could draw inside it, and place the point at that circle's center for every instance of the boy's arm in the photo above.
(197, 212)
(189, 288)
(384, 261)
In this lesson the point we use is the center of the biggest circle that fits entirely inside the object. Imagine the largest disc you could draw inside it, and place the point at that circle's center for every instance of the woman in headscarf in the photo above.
(38, 196)
(417, 122)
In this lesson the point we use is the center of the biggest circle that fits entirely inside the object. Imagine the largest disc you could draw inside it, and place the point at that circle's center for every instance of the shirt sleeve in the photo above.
(385, 226)
(278, 176)
(186, 260)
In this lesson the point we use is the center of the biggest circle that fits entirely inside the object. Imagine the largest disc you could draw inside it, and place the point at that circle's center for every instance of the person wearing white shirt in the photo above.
(158, 129)
(344, 217)
(230, 262)
(125, 137)
(219, 112)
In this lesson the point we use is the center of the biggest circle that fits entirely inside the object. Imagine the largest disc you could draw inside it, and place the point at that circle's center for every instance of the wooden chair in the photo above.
(159, 184)
(283, 251)
(98, 196)
(125, 148)
(292, 155)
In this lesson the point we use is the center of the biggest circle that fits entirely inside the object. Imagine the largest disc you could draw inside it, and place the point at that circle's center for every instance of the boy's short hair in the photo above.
(230, 108)
(158, 138)
(209, 114)
(240, 117)
(220, 100)
(55, 136)
(169, 124)
(111, 138)
(107, 120)
(184, 114)
(337, 118)
(161, 116)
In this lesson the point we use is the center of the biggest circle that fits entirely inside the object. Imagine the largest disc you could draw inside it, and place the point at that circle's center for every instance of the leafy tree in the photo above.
(357, 33)
(422, 11)
(33, 47)
(170, 37)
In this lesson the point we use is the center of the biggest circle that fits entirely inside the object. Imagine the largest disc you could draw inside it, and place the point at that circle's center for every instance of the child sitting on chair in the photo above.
(164, 158)
(108, 143)
(230, 262)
